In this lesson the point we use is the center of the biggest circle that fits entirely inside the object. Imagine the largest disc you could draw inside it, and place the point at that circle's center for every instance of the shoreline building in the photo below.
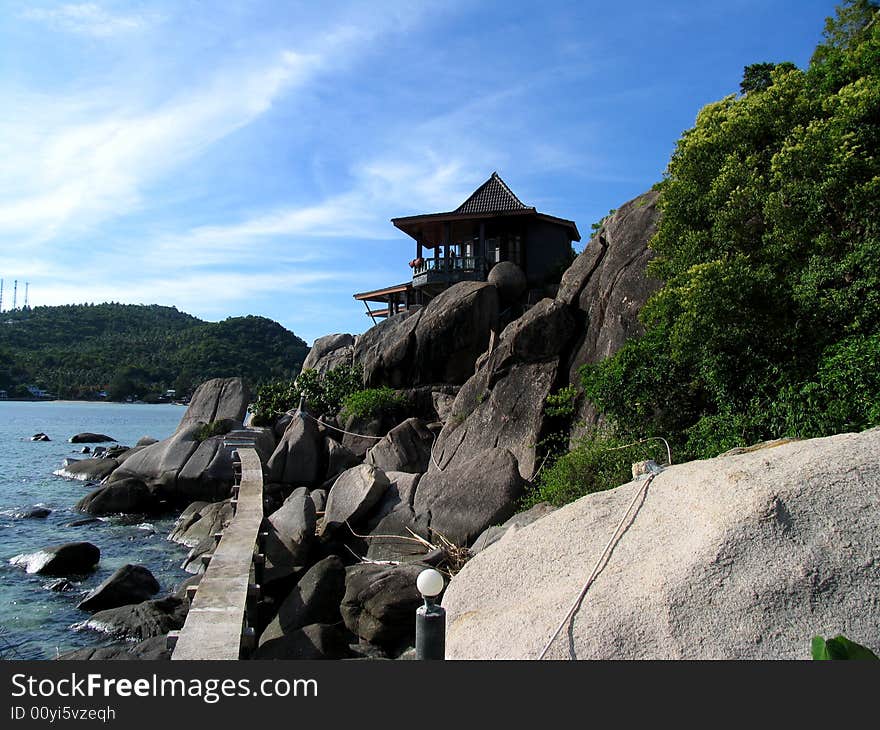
(491, 226)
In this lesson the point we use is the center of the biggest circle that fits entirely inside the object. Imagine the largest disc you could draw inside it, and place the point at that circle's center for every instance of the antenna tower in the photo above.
(14, 294)
(27, 285)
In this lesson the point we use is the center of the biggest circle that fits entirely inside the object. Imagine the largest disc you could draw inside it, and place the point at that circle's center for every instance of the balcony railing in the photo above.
(449, 265)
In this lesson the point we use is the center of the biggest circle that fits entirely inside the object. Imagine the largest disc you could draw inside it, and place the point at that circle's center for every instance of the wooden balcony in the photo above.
(448, 270)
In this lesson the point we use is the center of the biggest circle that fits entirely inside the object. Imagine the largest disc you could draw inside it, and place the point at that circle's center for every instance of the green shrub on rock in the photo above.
(372, 402)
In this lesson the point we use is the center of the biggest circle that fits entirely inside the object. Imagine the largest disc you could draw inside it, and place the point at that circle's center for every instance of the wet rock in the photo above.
(40, 437)
(87, 437)
(72, 558)
(142, 621)
(123, 497)
(129, 584)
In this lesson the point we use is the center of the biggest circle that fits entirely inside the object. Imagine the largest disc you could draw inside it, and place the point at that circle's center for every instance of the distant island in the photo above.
(143, 352)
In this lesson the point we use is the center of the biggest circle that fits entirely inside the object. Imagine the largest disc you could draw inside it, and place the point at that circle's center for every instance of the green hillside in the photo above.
(76, 351)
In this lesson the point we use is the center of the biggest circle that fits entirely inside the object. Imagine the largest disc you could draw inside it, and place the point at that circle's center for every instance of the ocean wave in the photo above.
(31, 562)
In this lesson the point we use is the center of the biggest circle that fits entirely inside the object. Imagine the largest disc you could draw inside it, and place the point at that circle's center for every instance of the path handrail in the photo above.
(217, 626)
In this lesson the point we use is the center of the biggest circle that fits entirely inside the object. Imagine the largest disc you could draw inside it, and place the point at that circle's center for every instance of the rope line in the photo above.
(616, 535)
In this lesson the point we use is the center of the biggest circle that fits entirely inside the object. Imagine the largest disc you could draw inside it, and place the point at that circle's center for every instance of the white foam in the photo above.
(32, 562)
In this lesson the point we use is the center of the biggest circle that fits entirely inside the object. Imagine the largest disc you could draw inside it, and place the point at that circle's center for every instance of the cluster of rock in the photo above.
(359, 508)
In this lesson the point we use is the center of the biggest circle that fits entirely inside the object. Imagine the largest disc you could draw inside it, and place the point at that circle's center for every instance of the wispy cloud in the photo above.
(89, 19)
(74, 162)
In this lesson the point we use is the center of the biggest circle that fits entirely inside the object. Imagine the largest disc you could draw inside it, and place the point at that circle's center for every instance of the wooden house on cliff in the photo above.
(491, 226)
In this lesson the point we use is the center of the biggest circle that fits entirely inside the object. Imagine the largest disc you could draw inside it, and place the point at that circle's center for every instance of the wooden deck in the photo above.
(216, 626)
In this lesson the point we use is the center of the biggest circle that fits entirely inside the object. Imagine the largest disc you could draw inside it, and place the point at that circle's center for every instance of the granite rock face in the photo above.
(436, 344)
(607, 286)
(329, 352)
(218, 399)
(738, 557)
(129, 584)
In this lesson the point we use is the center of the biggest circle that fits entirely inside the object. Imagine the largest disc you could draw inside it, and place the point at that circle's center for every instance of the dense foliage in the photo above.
(768, 324)
(372, 402)
(324, 394)
(77, 351)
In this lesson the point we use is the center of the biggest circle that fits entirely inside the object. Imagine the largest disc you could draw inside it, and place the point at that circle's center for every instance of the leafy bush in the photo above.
(214, 428)
(323, 394)
(768, 323)
(273, 399)
(599, 461)
(839, 648)
(372, 402)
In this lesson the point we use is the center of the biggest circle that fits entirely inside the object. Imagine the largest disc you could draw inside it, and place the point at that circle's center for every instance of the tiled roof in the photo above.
(493, 196)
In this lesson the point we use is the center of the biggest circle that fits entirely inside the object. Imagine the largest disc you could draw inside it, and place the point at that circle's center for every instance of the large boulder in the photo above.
(329, 352)
(315, 599)
(470, 495)
(159, 464)
(90, 438)
(140, 621)
(294, 523)
(87, 470)
(607, 286)
(129, 584)
(315, 641)
(406, 447)
(217, 400)
(353, 495)
(128, 496)
(152, 649)
(71, 558)
(297, 458)
(207, 474)
(502, 404)
(436, 344)
(737, 557)
(200, 521)
(380, 602)
(510, 281)
(339, 458)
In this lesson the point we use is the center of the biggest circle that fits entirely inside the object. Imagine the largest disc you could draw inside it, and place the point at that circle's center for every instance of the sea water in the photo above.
(36, 622)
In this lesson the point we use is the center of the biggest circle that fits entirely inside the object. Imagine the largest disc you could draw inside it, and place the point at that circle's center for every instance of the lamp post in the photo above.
(431, 617)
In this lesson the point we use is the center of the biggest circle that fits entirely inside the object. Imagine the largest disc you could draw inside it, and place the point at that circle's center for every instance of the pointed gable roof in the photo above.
(493, 196)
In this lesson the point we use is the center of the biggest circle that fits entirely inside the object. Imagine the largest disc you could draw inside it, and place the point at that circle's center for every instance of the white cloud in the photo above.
(73, 162)
(88, 19)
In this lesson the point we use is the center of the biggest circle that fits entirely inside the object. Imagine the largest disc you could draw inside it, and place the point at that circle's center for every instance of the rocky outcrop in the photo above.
(470, 495)
(158, 465)
(126, 496)
(436, 344)
(738, 557)
(129, 584)
(217, 400)
(502, 404)
(207, 473)
(406, 447)
(90, 438)
(329, 352)
(607, 285)
(380, 602)
(510, 281)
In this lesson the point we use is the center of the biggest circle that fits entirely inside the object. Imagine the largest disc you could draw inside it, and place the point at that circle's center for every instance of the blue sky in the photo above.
(234, 158)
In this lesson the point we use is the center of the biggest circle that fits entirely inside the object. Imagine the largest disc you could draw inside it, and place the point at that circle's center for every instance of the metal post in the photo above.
(430, 618)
